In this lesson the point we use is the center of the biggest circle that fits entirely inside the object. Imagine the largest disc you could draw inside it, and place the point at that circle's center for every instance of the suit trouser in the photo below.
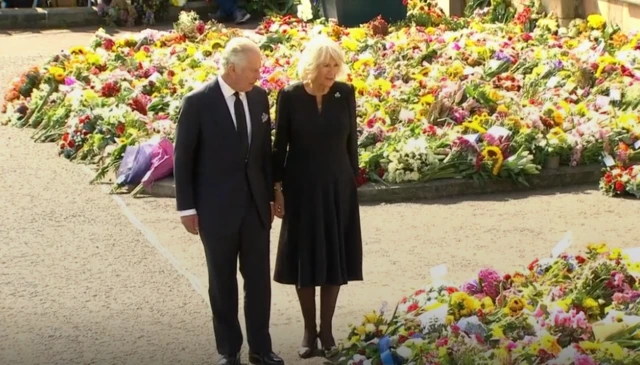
(228, 7)
(250, 244)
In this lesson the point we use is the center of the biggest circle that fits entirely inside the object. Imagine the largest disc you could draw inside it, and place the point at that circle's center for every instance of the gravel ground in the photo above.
(84, 287)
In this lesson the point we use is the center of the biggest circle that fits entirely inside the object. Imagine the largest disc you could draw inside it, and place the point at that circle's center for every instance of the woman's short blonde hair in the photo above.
(318, 51)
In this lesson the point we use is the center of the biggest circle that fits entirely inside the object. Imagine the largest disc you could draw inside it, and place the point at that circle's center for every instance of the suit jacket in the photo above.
(210, 170)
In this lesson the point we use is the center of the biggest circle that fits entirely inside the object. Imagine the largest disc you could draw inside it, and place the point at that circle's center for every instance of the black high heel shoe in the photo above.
(330, 351)
(306, 352)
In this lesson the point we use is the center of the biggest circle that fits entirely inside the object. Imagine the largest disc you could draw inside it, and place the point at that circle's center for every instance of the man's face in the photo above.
(248, 73)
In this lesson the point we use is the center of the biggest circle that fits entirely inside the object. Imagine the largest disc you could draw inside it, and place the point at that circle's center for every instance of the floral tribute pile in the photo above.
(570, 310)
(438, 97)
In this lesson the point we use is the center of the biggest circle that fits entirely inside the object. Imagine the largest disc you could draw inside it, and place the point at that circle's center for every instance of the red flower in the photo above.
(451, 289)
(532, 265)
(412, 307)
(120, 129)
(580, 259)
(108, 44)
(507, 277)
(418, 292)
(619, 186)
(361, 179)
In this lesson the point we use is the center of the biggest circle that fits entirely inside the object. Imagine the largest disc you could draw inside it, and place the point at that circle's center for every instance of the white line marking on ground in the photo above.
(155, 243)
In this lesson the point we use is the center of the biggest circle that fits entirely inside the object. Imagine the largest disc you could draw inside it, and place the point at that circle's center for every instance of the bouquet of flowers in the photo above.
(493, 95)
(565, 309)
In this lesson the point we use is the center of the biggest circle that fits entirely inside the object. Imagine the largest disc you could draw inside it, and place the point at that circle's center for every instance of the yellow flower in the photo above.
(94, 59)
(582, 110)
(487, 305)
(589, 346)
(455, 70)
(556, 133)
(357, 34)
(361, 330)
(350, 44)
(494, 154)
(78, 50)
(362, 62)
(360, 85)
(140, 56)
(598, 247)
(613, 349)
(550, 344)
(564, 304)
(371, 317)
(427, 99)
(496, 332)
(590, 303)
(515, 305)
(495, 95)
(502, 109)
(383, 84)
(571, 43)
(615, 254)
(596, 21)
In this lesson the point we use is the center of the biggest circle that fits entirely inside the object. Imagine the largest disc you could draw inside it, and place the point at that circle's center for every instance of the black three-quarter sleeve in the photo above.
(281, 140)
(352, 141)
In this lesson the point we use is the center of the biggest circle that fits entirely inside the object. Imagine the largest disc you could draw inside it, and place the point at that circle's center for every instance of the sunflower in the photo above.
(493, 154)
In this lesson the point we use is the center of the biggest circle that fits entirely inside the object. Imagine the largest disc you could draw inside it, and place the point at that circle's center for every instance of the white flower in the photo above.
(404, 351)
(305, 12)
(406, 115)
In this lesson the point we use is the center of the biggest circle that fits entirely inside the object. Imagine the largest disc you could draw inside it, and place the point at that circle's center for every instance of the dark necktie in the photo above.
(241, 124)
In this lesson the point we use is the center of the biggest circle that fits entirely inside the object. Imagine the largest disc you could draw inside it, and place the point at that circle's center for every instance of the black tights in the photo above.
(328, 299)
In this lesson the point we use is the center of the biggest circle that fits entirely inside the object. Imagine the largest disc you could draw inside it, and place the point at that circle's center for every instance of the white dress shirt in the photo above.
(228, 92)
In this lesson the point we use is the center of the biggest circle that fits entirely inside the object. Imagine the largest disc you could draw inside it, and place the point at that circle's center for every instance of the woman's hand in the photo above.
(279, 204)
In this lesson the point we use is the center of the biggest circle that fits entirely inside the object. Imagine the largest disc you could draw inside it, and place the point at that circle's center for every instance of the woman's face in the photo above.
(327, 72)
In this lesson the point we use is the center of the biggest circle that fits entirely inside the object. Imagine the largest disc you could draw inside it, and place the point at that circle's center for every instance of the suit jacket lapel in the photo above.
(220, 106)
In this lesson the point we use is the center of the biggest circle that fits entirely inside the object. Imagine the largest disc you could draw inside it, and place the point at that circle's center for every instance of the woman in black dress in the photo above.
(315, 159)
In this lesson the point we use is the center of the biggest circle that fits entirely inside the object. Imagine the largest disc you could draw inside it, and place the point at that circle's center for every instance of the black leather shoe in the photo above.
(229, 360)
(265, 359)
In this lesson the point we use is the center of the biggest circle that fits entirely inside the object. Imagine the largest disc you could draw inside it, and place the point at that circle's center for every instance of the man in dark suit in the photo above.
(224, 193)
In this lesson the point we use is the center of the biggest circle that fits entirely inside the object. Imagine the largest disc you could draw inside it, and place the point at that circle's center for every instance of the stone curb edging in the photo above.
(62, 18)
(370, 193)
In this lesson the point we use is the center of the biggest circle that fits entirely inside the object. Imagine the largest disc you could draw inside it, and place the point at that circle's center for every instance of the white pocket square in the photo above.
(265, 117)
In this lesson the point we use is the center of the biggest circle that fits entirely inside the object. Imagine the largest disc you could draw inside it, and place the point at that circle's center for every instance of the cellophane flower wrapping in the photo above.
(563, 310)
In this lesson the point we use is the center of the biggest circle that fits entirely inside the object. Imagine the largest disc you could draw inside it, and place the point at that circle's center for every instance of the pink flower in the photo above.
(490, 282)
(582, 359)
(621, 298)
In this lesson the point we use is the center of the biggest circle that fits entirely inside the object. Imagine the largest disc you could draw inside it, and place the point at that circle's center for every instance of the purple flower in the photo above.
(69, 80)
(459, 115)
(471, 287)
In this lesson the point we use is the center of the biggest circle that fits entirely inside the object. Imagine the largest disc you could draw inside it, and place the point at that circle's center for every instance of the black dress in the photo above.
(315, 156)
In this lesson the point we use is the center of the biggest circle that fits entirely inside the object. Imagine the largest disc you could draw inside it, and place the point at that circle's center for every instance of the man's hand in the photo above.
(190, 223)
(279, 205)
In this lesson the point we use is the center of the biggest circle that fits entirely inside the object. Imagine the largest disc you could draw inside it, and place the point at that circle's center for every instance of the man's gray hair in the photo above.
(236, 50)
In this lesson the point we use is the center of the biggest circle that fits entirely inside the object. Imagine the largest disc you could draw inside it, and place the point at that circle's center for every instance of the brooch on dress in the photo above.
(337, 95)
